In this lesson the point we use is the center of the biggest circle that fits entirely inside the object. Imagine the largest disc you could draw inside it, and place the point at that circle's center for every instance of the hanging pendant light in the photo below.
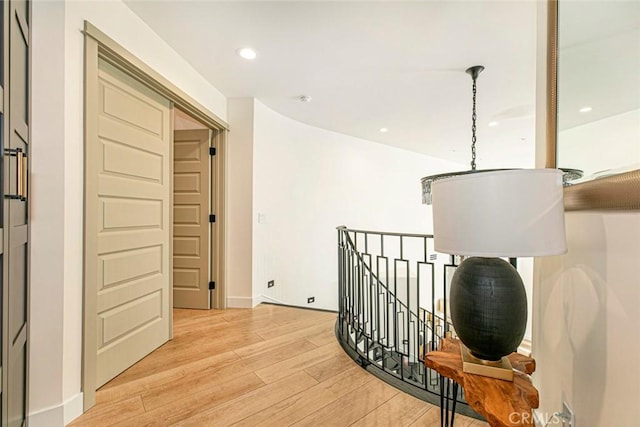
(486, 216)
(567, 176)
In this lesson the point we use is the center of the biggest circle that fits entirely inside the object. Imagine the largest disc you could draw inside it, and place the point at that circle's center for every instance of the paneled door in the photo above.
(191, 220)
(128, 218)
(16, 64)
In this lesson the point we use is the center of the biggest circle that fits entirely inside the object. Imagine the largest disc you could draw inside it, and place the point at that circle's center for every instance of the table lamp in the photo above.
(485, 216)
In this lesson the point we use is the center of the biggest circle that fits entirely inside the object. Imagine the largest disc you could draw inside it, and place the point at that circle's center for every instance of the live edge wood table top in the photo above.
(502, 403)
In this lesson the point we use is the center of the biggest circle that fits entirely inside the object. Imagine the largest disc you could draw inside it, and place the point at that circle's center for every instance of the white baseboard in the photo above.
(50, 417)
(73, 408)
(265, 298)
(60, 415)
(243, 302)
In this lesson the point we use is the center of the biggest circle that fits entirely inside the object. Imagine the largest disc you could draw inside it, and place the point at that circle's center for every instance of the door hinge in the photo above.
(212, 285)
(212, 151)
(212, 218)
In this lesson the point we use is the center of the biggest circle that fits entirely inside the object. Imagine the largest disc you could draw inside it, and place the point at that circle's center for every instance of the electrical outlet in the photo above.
(570, 420)
(311, 299)
(270, 284)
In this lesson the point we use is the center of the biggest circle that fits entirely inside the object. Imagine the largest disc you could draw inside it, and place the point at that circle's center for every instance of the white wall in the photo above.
(289, 186)
(307, 181)
(239, 190)
(47, 182)
(57, 185)
(586, 321)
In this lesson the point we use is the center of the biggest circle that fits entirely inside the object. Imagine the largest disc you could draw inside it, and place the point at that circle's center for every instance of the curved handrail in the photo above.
(384, 233)
(373, 275)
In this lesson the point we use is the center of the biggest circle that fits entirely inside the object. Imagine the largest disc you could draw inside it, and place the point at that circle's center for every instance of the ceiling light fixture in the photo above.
(585, 109)
(247, 53)
(384, 130)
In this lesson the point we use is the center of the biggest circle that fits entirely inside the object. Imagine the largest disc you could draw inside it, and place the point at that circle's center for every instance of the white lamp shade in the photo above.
(510, 213)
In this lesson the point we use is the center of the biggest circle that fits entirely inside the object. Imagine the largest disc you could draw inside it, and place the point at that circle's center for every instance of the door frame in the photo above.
(10, 18)
(99, 45)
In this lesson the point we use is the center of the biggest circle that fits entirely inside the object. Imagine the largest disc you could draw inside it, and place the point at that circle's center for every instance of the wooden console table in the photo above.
(502, 403)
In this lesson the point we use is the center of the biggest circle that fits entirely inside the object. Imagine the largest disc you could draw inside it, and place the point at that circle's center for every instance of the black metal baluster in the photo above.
(362, 318)
(340, 283)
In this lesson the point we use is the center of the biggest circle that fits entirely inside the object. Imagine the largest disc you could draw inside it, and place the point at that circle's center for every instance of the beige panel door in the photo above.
(14, 212)
(128, 252)
(191, 229)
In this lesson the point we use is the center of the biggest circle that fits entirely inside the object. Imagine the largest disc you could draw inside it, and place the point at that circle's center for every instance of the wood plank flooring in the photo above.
(271, 366)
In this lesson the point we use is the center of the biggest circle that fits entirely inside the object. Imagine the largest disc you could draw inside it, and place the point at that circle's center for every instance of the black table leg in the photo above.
(451, 386)
(455, 400)
(442, 398)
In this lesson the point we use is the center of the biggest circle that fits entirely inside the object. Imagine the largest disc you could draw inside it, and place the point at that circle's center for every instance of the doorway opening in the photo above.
(194, 213)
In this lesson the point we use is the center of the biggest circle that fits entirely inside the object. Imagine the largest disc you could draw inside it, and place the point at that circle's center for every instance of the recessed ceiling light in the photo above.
(492, 124)
(247, 53)
(384, 130)
(585, 109)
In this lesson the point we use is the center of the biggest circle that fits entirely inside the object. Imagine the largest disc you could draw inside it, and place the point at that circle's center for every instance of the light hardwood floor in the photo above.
(271, 365)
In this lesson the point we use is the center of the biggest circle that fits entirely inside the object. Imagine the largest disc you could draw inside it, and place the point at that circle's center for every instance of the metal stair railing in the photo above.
(392, 308)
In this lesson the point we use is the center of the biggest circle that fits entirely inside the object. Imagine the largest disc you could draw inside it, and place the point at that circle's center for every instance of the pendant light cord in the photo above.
(473, 128)
(474, 72)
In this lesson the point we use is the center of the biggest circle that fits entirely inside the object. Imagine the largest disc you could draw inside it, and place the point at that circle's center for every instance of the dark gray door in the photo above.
(16, 63)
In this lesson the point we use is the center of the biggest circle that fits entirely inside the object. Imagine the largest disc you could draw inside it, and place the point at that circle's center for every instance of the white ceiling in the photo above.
(369, 65)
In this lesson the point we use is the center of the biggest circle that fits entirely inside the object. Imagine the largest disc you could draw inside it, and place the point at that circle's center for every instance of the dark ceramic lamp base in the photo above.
(489, 313)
